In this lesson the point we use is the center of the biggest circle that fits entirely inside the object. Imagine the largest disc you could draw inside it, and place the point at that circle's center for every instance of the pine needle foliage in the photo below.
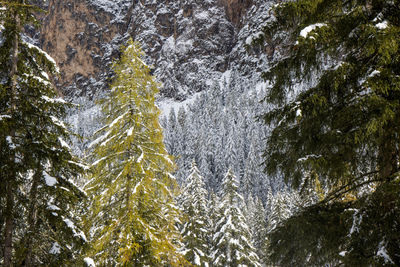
(132, 218)
(39, 200)
(341, 128)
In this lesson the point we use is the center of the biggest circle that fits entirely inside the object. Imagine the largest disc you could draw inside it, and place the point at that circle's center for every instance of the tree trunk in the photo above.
(8, 231)
(388, 156)
(9, 214)
(32, 217)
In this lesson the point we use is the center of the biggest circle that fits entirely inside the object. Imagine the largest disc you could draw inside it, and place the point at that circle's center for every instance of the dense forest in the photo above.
(300, 169)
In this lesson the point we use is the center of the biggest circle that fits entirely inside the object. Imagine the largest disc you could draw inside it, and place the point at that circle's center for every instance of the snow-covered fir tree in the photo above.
(216, 135)
(258, 225)
(280, 209)
(214, 217)
(38, 197)
(132, 220)
(232, 240)
(196, 228)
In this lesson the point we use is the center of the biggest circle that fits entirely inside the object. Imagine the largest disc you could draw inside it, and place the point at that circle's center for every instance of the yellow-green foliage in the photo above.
(132, 219)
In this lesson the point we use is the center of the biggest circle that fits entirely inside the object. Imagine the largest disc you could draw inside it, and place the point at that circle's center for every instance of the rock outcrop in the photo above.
(188, 43)
(236, 9)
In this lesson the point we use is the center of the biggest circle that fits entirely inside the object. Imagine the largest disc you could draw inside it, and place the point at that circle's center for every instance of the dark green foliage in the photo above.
(314, 232)
(38, 196)
(336, 93)
(343, 120)
(351, 233)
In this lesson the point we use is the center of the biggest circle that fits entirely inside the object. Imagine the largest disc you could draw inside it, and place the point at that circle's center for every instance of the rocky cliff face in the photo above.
(236, 9)
(193, 46)
(190, 43)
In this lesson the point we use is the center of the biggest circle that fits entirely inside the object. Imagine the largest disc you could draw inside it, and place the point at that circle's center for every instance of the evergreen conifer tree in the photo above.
(280, 210)
(232, 240)
(342, 128)
(214, 216)
(133, 215)
(259, 229)
(196, 228)
(37, 166)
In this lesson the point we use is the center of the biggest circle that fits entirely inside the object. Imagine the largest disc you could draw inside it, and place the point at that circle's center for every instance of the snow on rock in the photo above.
(250, 38)
(304, 32)
(116, 8)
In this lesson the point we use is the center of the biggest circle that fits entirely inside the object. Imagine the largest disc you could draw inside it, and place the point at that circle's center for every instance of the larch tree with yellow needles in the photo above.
(133, 215)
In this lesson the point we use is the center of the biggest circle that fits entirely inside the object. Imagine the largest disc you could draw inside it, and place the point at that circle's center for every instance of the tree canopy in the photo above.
(335, 119)
(39, 200)
(132, 216)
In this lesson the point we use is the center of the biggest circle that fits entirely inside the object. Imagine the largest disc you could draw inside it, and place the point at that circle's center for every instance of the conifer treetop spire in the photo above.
(132, 187)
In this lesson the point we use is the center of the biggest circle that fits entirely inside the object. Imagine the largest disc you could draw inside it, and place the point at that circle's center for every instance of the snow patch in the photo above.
(10, 142)
(382, 25)
(203, 15)
(39, 79)
(50, 180)
(63, 143)
(49, 58)
(98, 140)
(57, 122)
(5, 117)
(356, 222)
(197, 259)
(382, 252)
(53, 100)
(52, 207)
(129, 132)
(308, 156)
(89, 262)
(55, 249)
(115, 121)
(72, 226)
(304, 32)
(250, 38)
(83, 166)
(167, 105)
(374, 73)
